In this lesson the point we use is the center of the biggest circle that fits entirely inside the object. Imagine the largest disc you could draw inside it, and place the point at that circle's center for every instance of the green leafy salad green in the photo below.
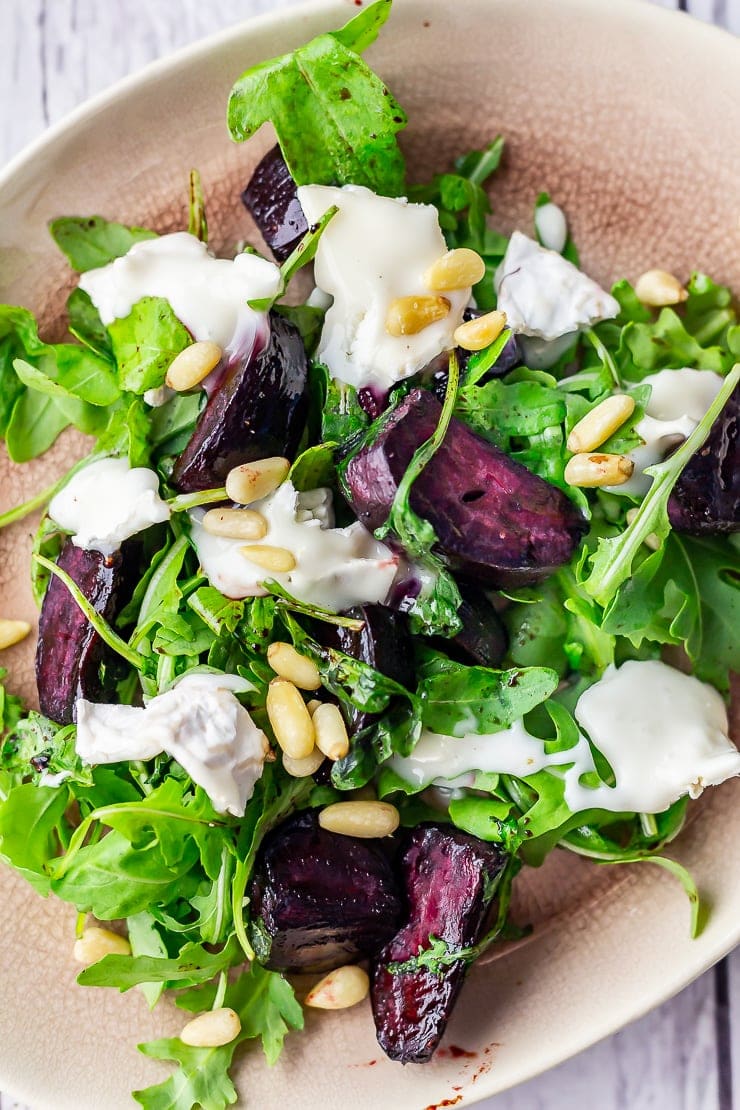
(139, 841)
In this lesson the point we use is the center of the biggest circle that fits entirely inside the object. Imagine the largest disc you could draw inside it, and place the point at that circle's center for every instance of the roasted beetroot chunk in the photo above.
(496, 521)
(258, 409)
(69, 652)
(320, 900)
(448, 886)
(383, 643)
(706, 497)
(272, 201)
(482, 638)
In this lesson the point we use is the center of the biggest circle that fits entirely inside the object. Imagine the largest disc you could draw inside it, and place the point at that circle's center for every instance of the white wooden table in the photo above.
(686, 1054)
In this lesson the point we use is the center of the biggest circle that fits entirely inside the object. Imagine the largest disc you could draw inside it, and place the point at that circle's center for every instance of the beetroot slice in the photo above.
(448, 886)
(69, 652)
(257, 410)
(706, 497)
(272, 201)
(496, 521)
(319, 899)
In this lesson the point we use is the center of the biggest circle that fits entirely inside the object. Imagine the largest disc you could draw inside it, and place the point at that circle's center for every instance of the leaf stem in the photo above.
(30, 506)
(184, 501)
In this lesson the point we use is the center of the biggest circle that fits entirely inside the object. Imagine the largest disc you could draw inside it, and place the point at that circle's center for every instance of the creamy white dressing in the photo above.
(336, 568)
(374, 250)
(546, 296)
(159, 396)
(107, 502)
(207, 294)
(678, 401)
(664, 734)
(199, 722)
(551, 226)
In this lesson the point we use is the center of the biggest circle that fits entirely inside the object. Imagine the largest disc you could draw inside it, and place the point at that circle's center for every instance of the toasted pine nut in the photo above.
(457, 269)
(212, 1029)
(658, 288)
(290, 664)
(96, 943)
(366, 819)
(12, 632)
(291, 722)
(331, 731)
(409, 315)
(481, 331)
(253, 481)
(235, 524)
(598, 470)
(313, 705)
(302, 768)
(601, 422)
(192, 365)
(652, 540)
(277, 559)
(340, 989)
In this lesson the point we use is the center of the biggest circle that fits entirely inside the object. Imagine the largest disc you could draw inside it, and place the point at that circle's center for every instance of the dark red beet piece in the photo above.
(258, 409)
(448, 885)
(383, 642)
(496, 521)
(69, 652)
(706, 497)
(272, 201)
(320, 900)
(482, 638)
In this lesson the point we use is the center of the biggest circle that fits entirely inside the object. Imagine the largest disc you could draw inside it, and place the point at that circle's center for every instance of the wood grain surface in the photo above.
(686, 1054)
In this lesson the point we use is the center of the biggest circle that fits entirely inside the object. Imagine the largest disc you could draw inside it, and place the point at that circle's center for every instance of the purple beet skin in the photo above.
(69, 653)
(706, 497)
(496, 521)
(319, 899)
(482, 638)
(272, 201)
(447, 876)
(258, 409)
(383, 642)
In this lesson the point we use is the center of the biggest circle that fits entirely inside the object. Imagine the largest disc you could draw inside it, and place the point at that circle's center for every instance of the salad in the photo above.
(365, 600)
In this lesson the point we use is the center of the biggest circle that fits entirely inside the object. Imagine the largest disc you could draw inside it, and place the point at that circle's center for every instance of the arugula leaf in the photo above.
(145, 342)
(314, 467)
(342, 417)
(35, 745)
(335, 120)
(85, 324)
(268, 1010)
(32, 824)
(603, 573)
(146, 940)
(92, 241)
(35, 423)
(457, 699)
(193, 966)
(299, 257)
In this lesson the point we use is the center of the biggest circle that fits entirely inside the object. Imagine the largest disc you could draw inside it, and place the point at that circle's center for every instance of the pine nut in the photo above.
(291, 722)
(235, 524)
(457, 269)
(96, 943)
(366, 819)
(331, 732)
(253, 481)
(600, 423)
(409, 315)
(192, 365)
(277, 559)
(481, 331)
(652, 540)
(212, 1029)
(340, 989)
(290, 664)
(12, 632)
(303, 768)
(313, 705)
(598, 470)
(658, 288)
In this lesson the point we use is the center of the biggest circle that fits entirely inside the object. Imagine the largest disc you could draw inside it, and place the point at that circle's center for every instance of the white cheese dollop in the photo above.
(374, 250)
(551, 226)
(664, 734)
(546, 296)
(106, 502)
(336, 568)
(207, 294)
(678, 401)
(199, 722)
